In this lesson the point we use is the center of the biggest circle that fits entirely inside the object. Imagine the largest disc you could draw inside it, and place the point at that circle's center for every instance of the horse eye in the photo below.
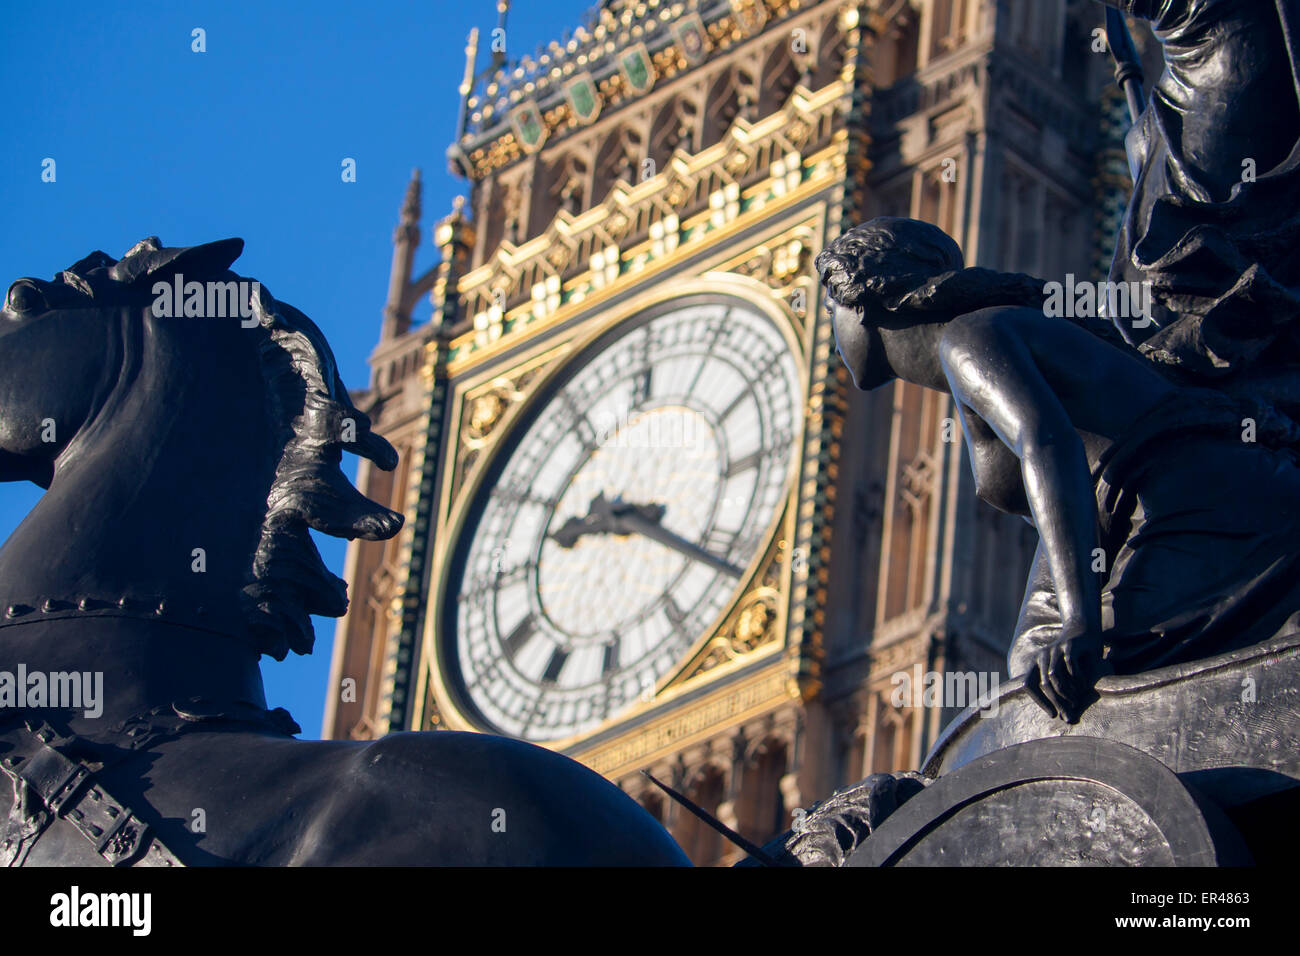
(24, 297)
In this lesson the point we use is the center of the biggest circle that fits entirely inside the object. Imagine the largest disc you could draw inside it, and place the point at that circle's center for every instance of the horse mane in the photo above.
(317, 421)
(313, 419)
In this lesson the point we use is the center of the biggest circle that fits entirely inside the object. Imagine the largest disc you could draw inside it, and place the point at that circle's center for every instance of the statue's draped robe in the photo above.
(1222, 251)
(1198, 530)
(1199, 526)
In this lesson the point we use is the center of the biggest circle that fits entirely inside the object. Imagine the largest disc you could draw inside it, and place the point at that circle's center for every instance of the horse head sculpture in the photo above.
(191, 453)
(188, 429)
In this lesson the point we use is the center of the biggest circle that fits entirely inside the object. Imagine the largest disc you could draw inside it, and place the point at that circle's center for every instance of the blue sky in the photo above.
(245, 139)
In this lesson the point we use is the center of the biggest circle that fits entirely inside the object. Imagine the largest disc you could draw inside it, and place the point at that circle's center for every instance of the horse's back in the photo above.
(445, 798)
(475, 799)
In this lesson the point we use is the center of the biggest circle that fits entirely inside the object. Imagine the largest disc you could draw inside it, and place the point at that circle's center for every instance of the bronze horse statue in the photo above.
(184, 460)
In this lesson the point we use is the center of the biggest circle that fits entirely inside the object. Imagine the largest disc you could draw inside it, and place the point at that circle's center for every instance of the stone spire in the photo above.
(406, 237)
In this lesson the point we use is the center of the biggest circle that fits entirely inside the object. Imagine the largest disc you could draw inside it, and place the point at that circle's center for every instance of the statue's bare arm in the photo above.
(992, 371)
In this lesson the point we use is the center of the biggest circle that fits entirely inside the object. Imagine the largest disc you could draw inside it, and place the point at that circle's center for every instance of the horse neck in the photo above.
(126, 666)
(159, 500)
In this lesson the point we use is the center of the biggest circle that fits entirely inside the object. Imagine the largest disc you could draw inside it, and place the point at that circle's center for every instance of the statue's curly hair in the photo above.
(911, 267)
(312, 417)
(885, 258)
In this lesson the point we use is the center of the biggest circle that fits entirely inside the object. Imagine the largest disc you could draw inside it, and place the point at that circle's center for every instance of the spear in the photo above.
(1128, 66)
(714, 822)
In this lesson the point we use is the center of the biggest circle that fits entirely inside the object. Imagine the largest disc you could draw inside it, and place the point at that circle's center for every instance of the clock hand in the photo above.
(599, 519)
(603, 517)
(657, 532)
(623, 518)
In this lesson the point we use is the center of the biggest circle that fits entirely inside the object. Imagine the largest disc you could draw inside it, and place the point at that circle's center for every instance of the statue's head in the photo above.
(876, 276)
(236, 406)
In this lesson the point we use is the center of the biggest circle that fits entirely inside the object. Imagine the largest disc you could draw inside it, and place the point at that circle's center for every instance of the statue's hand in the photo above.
(1065, 671)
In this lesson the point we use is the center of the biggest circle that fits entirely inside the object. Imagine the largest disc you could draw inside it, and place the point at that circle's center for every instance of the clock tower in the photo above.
(650, 523)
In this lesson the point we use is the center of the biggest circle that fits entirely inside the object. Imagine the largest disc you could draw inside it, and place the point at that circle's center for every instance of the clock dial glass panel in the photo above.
(620, 516)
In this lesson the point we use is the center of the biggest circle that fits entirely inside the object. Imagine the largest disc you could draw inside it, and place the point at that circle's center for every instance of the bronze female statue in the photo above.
(1166, 513)
(1215, 157)
(185, 459)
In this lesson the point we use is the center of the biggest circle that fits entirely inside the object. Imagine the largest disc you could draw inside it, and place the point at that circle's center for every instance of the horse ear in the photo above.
(96, 260)
(210, 257)
(147, 260)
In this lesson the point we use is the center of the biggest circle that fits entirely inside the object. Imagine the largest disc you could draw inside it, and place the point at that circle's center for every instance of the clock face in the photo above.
(620, 515)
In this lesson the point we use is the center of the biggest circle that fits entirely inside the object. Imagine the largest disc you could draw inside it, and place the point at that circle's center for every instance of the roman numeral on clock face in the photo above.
(643, 379)
(517, 495)
(676, 616)
(519, 636)
(718, 541)
(642, 386)
(555, 665)
(746, 463)
(609, 664)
